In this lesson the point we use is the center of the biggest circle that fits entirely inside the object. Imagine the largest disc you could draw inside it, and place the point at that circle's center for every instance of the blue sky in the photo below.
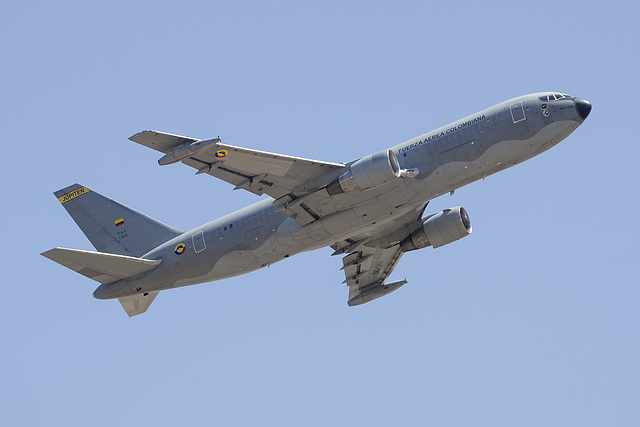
(532, 320)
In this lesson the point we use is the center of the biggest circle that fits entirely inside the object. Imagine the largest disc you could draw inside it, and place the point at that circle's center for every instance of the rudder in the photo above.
(110, 226)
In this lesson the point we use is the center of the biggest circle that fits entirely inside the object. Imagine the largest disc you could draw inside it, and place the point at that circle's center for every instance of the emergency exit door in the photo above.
(517, 112)
(198, 242)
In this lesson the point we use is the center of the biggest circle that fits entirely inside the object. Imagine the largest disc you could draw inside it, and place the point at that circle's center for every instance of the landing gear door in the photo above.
(517, 112)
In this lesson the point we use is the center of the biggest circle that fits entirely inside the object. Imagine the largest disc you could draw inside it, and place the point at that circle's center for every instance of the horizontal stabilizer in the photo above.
(100, 266)
(137, 304)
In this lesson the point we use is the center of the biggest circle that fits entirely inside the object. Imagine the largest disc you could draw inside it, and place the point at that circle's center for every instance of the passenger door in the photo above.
(517, 112)
(198, 242)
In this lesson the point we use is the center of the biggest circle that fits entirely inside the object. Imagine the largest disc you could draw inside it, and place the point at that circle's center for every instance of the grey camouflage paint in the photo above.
(447, 158)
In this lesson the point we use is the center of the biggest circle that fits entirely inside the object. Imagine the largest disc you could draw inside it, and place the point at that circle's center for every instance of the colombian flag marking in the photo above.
(179, 249)
(119, 222)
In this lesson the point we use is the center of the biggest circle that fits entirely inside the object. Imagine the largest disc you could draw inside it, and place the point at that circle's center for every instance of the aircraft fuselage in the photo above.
(445, 159)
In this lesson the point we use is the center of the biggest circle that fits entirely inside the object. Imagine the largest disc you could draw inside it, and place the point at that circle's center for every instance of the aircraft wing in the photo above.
(366, 270)
(161, 141)
(279, 176)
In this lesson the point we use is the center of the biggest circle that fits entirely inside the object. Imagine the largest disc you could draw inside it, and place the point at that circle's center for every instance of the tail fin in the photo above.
(112, 227)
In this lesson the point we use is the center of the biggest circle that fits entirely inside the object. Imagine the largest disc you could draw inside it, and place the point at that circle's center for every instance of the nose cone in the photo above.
(584, 107)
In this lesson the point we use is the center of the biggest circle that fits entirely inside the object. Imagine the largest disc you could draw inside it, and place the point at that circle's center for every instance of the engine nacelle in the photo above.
(439, 229)
(369, 172)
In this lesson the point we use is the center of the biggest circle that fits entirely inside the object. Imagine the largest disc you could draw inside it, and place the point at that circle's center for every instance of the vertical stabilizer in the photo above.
(110, 226)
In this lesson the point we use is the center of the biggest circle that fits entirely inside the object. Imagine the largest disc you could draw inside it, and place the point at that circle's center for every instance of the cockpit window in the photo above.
(555, 97)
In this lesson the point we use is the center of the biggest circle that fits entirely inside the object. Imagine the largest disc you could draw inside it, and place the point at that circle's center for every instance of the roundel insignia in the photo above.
(180, 248)
(544, 106)
(221, 153)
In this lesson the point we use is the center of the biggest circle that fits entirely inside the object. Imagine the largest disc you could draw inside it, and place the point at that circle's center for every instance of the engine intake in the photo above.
(369, 172)
(439, 229)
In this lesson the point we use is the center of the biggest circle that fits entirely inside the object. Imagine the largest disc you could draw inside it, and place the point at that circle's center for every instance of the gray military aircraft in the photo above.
(369, 210)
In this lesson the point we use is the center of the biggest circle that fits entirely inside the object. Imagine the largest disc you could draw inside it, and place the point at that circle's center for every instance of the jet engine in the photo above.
(439, 229)
(369, 172)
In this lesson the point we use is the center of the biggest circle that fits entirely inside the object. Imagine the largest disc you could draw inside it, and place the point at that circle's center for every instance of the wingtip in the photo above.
(133, 137)
(46, 253)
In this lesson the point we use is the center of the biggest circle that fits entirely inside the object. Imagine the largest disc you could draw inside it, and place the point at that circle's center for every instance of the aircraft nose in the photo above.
(584, 107)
